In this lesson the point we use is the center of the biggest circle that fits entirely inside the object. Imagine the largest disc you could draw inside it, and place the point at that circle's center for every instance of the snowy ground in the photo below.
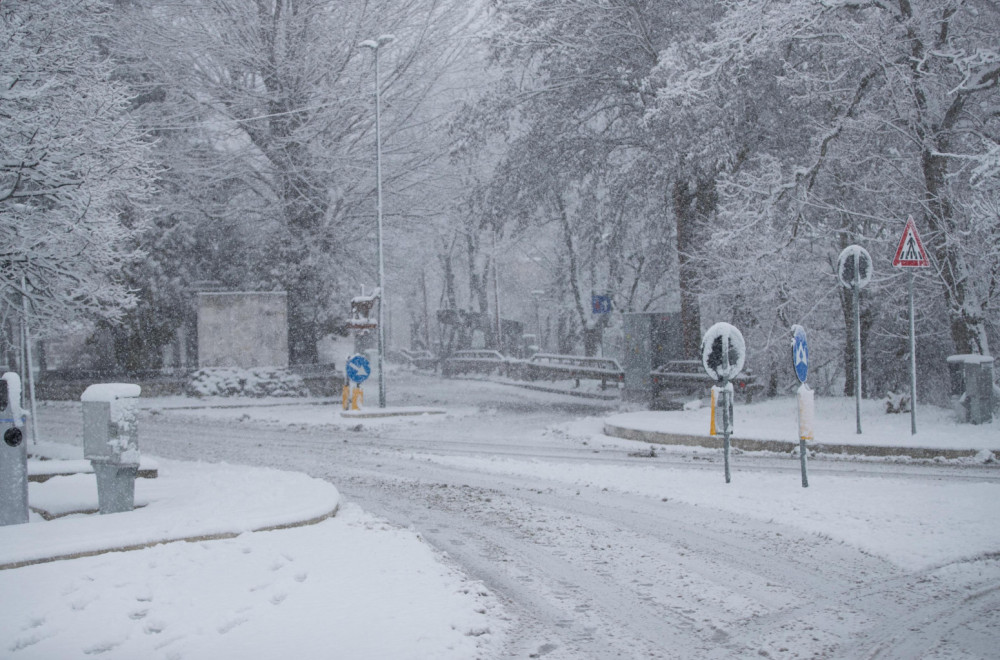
(347, 586)
(836, 424)
(576, 545)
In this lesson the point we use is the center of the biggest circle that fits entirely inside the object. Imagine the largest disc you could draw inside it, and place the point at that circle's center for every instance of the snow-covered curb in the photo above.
(187, 501)
(773, 426)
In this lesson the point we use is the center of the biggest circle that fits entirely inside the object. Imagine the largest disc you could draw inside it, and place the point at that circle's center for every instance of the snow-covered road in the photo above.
(592, 571)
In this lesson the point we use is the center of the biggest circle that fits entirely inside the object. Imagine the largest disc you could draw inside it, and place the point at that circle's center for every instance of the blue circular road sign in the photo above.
(358, 368)
(800, 352)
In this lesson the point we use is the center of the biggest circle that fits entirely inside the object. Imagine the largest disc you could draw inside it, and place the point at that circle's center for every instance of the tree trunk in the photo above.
(967, 325)
(591, 335)
(847, 306)
(303, 333)
(692, 204)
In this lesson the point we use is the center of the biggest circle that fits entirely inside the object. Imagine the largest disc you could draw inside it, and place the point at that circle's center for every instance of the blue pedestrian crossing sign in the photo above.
(800, 352)
(358, 369)
(600, 304)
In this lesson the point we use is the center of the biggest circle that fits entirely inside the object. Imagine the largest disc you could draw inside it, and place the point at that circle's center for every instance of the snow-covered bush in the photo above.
(246, 382)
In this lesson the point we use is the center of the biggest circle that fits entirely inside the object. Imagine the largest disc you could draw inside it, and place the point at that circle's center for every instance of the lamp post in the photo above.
(375, 45)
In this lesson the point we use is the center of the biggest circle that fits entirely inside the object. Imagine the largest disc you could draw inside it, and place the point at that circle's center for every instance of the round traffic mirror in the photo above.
(854, 266)
(723, 351)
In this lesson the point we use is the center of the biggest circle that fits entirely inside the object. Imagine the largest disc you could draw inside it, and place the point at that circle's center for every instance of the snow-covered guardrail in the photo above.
(549, 366)
(688, 377)
(477, 361)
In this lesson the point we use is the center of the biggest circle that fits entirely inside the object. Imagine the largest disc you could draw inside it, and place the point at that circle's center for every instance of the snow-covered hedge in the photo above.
(246, 382)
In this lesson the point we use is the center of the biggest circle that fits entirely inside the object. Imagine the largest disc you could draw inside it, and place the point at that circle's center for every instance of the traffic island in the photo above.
(188, 502)
(772, 426)
(781, 446)
(389, 412)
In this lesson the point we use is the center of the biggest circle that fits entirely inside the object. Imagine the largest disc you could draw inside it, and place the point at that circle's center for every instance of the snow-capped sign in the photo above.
(800, 353)
(600, 304)
(358, 368)
(723, 351)
(854, 265)
(910, 253)
(361, 311)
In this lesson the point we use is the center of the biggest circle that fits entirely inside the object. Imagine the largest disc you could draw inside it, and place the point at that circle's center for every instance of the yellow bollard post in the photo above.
(357, 398)
(711, 426)
(347, 396)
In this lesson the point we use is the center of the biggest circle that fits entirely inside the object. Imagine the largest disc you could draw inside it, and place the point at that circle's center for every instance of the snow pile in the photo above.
(246, 382)
(121, 399)
(110, 392)
(350, 586)
(14, 396)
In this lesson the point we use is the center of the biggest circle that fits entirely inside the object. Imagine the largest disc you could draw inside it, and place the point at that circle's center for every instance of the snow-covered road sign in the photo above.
(723, 351)
(910, 253)
(358, 368)
(800, 353)
(854, 266)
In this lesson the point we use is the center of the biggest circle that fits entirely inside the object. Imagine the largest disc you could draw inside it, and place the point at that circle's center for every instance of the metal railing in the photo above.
(477, 361)
(549, 366)
(689, 377)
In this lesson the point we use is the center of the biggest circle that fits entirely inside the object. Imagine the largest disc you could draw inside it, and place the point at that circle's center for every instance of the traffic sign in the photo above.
(910, 253)
(358, 368)
(854, 266)
(600, 304)
(800, 353)
(723, 351)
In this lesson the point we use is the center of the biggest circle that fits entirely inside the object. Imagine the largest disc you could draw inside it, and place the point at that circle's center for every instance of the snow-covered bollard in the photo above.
(13, 454)
(111, 442)
(807, 417)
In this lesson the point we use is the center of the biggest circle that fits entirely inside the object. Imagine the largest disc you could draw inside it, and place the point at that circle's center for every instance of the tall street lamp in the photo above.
(375, 45)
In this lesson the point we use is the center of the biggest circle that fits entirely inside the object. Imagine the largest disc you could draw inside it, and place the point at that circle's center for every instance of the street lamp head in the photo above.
(375, 44)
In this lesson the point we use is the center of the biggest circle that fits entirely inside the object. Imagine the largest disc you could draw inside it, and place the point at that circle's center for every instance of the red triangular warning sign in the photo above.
(910, 253)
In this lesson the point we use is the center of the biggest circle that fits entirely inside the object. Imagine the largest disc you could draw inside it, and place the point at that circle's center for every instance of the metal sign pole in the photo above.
(854, 270)
(802, 462)
(910, 254)
(857, 350)
(727, 426)
(27, 355)
(913, 364)
(800, 361)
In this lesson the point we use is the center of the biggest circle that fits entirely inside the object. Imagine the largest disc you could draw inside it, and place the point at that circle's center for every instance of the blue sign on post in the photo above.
(800, 352)
(600, 304)
(358, 368)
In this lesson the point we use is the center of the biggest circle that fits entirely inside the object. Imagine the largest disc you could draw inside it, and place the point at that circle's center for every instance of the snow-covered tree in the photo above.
(571, 103)
(74, 168)
(272, 103)
(862, 114)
